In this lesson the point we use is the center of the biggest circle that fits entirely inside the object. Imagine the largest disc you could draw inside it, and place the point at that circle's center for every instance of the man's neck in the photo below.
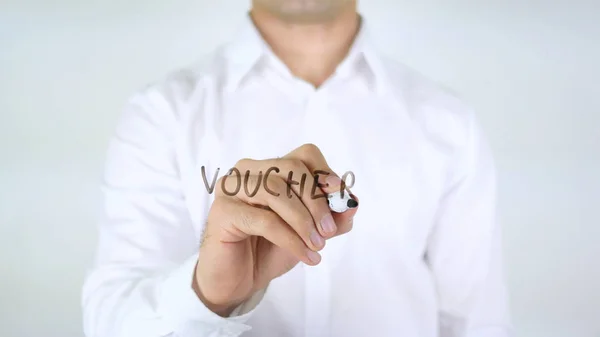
(311, 51)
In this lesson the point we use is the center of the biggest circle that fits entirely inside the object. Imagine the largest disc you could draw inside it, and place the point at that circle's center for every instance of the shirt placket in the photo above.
(317, 278)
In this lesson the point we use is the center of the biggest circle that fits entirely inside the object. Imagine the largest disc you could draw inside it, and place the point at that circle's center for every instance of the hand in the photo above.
(251, 239)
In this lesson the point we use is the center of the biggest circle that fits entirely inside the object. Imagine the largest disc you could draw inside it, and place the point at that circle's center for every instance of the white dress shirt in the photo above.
(423, 258)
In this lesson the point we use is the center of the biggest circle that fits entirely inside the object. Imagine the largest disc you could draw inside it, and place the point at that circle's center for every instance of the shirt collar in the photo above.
(248, 47)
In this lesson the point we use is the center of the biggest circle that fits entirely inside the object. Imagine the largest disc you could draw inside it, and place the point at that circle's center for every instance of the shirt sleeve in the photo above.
(465, 250)
(141, 281)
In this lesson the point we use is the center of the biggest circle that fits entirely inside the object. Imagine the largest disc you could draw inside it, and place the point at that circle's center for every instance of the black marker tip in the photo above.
(352, 203)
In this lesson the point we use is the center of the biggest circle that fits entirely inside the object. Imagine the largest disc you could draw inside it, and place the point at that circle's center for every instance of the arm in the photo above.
(141, 283)
(464, 250)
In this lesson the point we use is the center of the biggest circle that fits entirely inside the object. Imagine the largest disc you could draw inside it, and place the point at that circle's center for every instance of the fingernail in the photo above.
(333, 181)
(313, 256)
(328, 224)
(316, 239)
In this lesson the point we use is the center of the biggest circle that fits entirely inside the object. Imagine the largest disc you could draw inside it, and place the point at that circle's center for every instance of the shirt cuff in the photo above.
(184, 310)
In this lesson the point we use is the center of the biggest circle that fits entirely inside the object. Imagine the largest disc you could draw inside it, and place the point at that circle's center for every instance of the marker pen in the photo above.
(340, 204)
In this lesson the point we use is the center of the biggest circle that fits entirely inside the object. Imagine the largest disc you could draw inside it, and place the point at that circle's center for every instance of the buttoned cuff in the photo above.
(184, 310)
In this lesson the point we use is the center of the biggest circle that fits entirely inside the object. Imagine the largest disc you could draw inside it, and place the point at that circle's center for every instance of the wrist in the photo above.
(221, 306)
(221, 309)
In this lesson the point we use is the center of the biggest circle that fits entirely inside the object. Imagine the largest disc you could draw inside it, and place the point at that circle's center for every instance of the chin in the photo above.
(308, 18)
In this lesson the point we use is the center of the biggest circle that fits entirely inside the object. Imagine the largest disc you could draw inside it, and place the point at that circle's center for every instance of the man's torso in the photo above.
(398, 145)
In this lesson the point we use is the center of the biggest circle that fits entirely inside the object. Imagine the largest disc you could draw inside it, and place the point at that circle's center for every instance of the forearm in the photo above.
(223, 310)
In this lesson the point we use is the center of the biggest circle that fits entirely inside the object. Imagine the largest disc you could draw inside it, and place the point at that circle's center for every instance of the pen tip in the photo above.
(352, 203)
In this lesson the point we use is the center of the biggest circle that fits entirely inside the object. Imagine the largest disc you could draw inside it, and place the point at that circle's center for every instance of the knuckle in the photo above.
(310, 148)
(295, 165)
(269, 222)
(228, 185)
(276, 183)
(244, 162)
(292, 241)
(271, 187)
(306, 222)
(245, 221)
(252, 180)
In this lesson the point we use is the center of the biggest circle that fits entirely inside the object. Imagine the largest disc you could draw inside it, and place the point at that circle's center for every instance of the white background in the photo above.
(530, 68)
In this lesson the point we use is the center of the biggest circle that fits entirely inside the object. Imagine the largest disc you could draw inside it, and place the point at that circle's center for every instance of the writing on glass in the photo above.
(234, 173)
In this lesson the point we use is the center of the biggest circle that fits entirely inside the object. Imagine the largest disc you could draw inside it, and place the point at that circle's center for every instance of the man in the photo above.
(301, 91)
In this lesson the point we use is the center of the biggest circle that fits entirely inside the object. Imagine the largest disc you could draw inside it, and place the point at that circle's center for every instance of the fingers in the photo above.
(291, 209)
(295, 187)
(240, 220)
(312, 157)
(300, 182)
(329, 182)
(315, 200)
(345, 220)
